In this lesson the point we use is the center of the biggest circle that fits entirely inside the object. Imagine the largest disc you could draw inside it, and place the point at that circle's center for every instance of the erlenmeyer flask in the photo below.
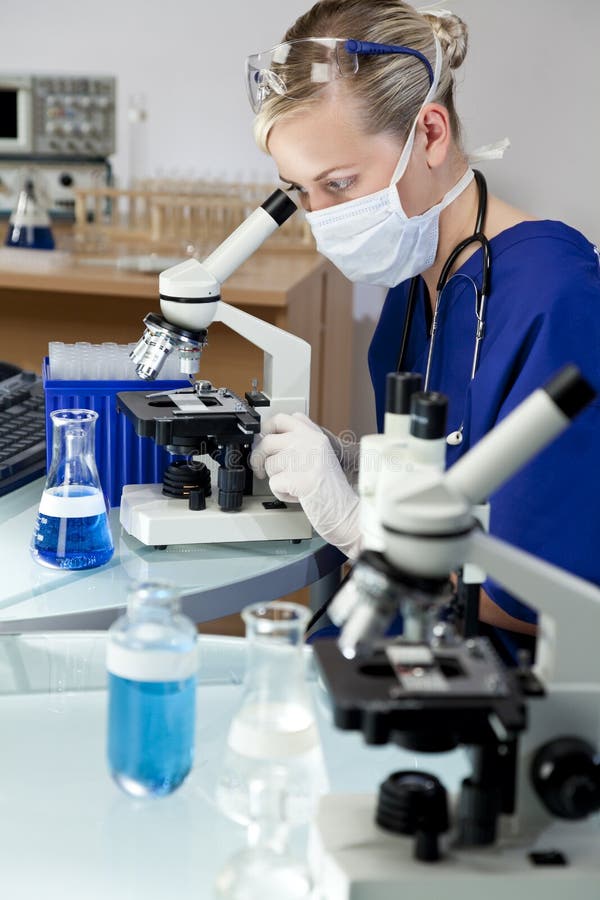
(273, 771)
(29, 224)
(72, 530)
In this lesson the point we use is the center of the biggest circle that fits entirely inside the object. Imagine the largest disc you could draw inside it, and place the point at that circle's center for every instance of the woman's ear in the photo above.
(434, 133)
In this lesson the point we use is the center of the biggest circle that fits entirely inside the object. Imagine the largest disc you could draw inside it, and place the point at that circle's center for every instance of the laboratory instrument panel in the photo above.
(55, 183)
(66, 116)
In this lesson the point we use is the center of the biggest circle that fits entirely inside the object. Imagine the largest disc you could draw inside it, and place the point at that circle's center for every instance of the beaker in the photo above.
(273, 771)
(72, 530)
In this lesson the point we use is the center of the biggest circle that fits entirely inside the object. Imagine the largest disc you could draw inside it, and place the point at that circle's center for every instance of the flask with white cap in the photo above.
(151, 659)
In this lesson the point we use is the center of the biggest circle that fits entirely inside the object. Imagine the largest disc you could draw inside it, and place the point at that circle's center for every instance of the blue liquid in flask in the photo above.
(150, 734)
(72, 530)
(35, 237)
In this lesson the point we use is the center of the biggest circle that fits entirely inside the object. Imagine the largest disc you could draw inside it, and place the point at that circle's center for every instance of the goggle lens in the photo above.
(315, 60)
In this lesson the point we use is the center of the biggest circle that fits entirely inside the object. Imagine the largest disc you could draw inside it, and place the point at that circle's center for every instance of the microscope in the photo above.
(522, 822)
(209, 493)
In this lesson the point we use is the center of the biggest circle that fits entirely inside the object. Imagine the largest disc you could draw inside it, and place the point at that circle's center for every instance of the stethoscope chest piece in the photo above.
(455, 438)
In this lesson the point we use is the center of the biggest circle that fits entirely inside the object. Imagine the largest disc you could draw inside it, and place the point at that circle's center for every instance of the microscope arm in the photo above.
(286, 377)
(561, 597)
(565, 653)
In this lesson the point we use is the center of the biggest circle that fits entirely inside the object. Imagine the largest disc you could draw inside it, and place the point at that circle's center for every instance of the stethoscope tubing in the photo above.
(482, 294)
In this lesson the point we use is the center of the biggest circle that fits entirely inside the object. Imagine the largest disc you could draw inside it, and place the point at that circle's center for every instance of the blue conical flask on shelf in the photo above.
(29, 224)
(72, 529)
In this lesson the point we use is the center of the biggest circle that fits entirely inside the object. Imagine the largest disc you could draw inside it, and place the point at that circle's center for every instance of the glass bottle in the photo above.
(152, 665)
(72, 530)
(273, 770)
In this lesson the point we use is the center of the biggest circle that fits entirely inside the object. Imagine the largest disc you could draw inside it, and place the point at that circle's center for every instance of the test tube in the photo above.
(70, 363)
(124, 362)
(56, 356)
(82, 356)
(95, 370)
(111, 353)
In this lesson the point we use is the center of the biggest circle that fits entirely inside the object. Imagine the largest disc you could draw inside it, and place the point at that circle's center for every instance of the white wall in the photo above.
(531, 73)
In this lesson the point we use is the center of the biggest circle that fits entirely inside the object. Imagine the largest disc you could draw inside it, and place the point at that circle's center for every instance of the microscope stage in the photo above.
(156, 520)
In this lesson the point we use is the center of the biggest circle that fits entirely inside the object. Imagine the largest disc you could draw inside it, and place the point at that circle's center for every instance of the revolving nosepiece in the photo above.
(157, 343)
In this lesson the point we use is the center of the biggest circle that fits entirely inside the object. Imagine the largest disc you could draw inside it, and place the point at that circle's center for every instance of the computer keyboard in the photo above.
(22, 430)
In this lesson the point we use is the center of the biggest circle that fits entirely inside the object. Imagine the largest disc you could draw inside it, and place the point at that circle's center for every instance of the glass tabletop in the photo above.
(67, 831)
(215, 579)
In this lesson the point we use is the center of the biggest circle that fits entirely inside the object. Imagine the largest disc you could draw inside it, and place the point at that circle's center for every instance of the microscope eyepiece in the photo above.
(570, 391)
(279, 206)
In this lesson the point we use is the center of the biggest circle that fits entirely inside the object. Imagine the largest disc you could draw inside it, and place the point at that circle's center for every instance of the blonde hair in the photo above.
(389, 89)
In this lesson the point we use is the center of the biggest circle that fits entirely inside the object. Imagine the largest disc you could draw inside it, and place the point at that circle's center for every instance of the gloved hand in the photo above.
(302, 468)
(347, 452)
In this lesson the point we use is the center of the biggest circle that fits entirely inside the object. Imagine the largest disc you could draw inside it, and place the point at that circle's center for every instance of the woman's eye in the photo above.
(342, 184)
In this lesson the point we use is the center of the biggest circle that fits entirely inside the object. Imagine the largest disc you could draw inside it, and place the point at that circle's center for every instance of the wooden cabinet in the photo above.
(60, 298)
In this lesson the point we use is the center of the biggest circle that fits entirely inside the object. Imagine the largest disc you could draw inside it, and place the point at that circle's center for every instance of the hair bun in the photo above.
(451, 32)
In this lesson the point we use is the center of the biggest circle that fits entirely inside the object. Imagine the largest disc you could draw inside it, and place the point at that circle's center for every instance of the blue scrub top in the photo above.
(543, 311)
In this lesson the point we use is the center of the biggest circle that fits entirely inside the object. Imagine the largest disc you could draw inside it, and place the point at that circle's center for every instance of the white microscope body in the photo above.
(190, 302)
(546, 841)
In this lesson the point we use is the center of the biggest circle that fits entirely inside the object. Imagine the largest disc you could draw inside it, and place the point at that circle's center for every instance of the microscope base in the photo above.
(354, 859)
(156, 520)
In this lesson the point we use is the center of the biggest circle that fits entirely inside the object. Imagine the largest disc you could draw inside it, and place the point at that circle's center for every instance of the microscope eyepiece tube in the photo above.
(249, 236)
(540, 418)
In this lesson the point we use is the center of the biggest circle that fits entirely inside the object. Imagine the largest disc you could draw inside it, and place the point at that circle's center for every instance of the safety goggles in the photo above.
(312, 60)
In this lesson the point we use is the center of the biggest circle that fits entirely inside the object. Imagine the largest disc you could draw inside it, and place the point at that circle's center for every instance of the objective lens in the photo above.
(150, 353)
(138, 352)
(189, 360)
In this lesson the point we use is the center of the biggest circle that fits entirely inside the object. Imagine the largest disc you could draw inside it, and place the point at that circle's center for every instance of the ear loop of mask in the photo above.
(405, 155)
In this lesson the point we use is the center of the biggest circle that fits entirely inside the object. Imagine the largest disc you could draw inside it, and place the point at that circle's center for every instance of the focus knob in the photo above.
(414, 803)
(566, 775)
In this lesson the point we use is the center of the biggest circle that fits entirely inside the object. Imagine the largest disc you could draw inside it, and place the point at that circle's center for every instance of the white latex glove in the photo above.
(302, 468)
(347, 451)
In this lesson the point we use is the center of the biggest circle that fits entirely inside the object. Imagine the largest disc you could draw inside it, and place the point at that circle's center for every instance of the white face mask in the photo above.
(371, 239)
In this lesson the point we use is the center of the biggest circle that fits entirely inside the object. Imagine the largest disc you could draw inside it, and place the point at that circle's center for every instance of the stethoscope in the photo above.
(481, 295)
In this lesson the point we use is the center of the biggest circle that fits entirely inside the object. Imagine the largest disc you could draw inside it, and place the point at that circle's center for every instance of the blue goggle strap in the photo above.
(368, 48)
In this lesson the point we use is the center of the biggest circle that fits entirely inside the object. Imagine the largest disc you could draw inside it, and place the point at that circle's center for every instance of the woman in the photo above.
(372, 143)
